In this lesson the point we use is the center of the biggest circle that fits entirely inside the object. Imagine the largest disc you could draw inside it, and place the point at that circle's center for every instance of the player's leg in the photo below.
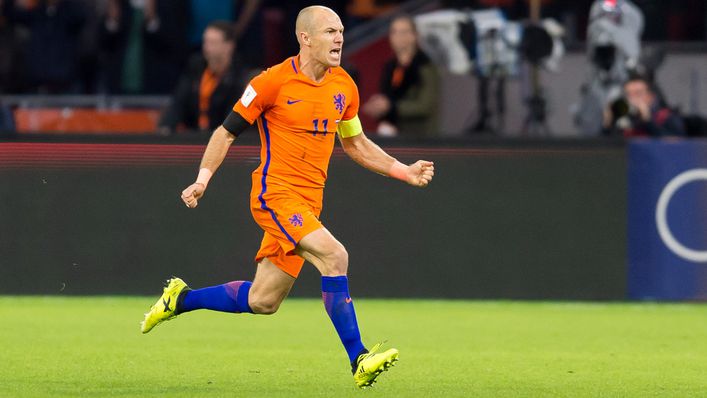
(326, 253)
(178, 298)
(270, 287)
(262, 296)
(329, 256)
(228, 297)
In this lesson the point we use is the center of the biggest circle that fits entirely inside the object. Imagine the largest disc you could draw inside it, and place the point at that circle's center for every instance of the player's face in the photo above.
(328, 40)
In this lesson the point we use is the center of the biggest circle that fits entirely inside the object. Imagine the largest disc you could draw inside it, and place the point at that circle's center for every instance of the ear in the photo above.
(304, 38)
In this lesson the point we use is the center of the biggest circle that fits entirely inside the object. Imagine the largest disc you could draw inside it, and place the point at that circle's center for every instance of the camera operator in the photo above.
(641, 113)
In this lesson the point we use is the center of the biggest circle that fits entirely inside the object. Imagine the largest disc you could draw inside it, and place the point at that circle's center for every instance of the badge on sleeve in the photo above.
(248, 96)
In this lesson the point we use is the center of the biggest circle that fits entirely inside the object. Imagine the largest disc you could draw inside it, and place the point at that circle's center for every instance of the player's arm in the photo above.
(221, 139)
(369, 155)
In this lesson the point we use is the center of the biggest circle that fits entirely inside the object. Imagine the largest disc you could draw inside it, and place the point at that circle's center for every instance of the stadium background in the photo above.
(90, 187)
(532, 266)
(87, 193)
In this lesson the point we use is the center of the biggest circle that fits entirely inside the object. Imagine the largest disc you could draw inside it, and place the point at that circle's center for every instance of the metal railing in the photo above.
(368, 32)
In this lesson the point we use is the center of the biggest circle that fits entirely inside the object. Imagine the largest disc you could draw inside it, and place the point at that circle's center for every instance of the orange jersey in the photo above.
(297, 119)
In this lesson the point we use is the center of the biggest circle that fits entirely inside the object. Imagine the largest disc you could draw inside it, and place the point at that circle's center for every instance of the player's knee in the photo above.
(338, 261)
(263, 306)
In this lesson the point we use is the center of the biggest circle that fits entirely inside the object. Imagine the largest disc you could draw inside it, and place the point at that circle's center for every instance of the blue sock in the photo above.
(229, 297)
(338, 304)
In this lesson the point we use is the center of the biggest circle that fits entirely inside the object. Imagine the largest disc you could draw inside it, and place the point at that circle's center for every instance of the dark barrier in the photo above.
(524, 222)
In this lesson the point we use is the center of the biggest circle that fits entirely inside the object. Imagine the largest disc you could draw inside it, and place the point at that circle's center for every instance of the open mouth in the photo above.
(336, 51)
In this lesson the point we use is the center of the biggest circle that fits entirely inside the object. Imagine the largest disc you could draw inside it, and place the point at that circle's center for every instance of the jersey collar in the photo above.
(294, 62)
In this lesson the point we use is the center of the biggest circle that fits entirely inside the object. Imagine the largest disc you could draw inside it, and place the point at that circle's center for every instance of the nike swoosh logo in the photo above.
(290, 102)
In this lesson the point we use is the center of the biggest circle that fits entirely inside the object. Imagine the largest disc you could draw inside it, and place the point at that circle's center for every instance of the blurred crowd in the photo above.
(202, 52)
(141, 46)
(134, 46)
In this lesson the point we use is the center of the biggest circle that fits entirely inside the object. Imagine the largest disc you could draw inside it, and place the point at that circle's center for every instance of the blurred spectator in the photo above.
(211, 85)
(143, 44)
(53, 49)
(7, 120)
(246, 18)
(13, 40)
(407, 104)
(360, 11)
(643, 114)
(206, 11)
(10, 67)
(88, 56)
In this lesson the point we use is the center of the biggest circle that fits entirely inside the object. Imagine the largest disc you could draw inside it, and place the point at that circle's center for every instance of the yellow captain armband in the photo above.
(350, 128)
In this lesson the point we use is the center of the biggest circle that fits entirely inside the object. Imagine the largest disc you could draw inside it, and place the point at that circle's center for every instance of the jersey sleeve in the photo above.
(258, 96)
(350, 125)
(352, 110)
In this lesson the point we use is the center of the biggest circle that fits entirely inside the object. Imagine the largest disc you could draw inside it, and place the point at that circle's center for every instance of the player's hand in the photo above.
(376, 106)
(420, 173)
(192, 194)
(644, 108)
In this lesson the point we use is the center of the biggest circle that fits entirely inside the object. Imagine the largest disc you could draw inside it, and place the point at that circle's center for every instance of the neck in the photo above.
(405, 56)
(312, 69)
(218, 67)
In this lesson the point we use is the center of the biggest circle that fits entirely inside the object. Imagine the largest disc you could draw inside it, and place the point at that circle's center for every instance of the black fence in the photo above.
(532, 220)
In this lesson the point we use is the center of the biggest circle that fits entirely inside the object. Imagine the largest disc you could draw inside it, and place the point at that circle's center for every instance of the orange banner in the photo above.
(71, 120)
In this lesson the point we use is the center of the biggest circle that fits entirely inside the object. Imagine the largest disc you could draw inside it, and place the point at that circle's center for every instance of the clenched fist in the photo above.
(192, 194)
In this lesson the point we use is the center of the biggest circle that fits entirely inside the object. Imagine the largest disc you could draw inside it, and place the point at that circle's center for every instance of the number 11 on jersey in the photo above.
(325, 123)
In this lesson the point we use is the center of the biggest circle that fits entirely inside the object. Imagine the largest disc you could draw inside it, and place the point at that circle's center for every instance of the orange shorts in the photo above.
(286, 219)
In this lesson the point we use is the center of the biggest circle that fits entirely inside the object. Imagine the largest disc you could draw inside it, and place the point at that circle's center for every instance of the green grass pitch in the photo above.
(92, 347)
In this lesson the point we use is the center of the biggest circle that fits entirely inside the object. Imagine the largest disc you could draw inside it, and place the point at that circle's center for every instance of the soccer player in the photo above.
(299, 106)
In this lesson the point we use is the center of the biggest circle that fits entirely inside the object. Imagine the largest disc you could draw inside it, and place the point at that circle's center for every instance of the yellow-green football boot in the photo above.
(165, 308)
(370, 364)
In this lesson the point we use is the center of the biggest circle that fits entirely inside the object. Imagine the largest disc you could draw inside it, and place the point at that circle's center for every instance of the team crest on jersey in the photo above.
(340, 102)
(296, 220)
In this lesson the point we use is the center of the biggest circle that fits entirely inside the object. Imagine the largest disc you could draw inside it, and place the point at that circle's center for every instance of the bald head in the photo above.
(320, 35)
(309, 19)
